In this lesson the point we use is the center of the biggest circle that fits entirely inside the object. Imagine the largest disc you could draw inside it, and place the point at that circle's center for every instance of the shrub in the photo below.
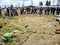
(7, 37)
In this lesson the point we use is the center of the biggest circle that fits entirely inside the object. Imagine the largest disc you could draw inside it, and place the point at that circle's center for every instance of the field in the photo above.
(31, 29)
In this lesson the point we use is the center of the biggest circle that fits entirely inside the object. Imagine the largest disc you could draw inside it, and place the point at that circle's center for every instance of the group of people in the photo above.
(47, 10)
(11, 11)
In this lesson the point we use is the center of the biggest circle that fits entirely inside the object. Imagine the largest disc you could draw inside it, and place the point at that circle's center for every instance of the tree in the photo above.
(11, 6)
(41, 3)
(48, 3)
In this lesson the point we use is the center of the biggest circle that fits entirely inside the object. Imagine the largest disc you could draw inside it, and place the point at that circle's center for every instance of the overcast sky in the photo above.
(26, 2)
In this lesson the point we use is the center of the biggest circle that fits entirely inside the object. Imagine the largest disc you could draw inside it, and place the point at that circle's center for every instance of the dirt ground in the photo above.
(32, 29)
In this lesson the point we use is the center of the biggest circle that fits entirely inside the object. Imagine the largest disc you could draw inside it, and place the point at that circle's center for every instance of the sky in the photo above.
(26, 2)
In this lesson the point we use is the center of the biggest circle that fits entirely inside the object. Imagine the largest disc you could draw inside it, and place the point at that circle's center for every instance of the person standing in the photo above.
(41, 10)
(53, 10)
(0, 11)
(45, 10)
(48, 10)
(57, 10)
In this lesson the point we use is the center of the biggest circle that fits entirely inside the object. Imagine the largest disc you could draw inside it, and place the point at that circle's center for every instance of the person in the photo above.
(14, 12)
(41, 10)
(48, 10)
(28, 10)
(32, 10)
(37, 10)
(7, 13)
(53, 10)
(58, 11)
(11, 10)
(22, 10)
(0, 11)
(45, 10)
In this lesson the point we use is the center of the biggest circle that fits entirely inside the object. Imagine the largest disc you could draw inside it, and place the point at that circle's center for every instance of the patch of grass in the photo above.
(11, 27)
(17, 28)
(29, 30)
(8, 37)
(22, 32)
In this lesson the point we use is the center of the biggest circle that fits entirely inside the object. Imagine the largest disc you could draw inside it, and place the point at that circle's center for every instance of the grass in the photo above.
(0, 16)
(23, 25)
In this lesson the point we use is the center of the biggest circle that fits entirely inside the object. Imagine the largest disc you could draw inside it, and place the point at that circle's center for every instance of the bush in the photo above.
(7, 37)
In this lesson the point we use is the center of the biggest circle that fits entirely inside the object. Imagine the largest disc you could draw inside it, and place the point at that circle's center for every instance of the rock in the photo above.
(43, 32)
(51, 33)
(57, 31)
(26, 36)
(17, 40)
(58, 19)
(55, 25)
(26, 26)
(0, 26)
(34, 31)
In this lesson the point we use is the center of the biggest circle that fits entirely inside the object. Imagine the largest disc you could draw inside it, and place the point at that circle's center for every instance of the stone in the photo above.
(0, 26)
(34, 31)
(43, 32)
(58, 19)
(57, 31)
(17, 40)
(26, 26)
(51, 33)
(55, 25)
